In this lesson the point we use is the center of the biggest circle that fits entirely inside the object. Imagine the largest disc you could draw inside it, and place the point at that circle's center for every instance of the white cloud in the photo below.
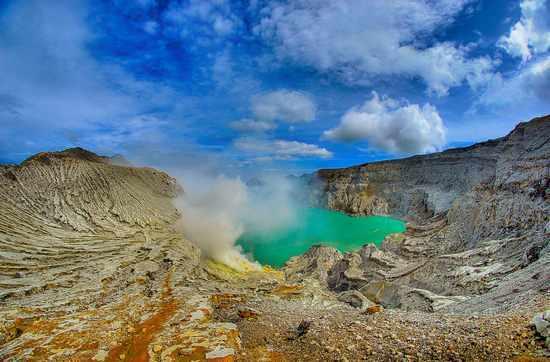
(250, 125)
(280, 149)
(531, 34)
(211, 18)
(529, 84)
(139, 130)
(223, 26)
(361, 40)
(390, 126)
(284, 105)
(54, 88)
(150, 27)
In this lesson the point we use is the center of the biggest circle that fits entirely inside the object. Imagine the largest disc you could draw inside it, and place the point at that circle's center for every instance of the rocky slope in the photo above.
(478, 237)
(92, 266)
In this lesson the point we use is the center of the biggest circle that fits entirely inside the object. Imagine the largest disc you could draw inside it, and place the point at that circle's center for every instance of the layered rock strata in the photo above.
(478, 232)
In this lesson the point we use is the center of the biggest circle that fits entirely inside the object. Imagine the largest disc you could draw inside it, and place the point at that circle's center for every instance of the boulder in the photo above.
(355, 299)
(315, 263)
(347, 274)
(382, 292)
(401, 296)
(424, 300)
(541, 321)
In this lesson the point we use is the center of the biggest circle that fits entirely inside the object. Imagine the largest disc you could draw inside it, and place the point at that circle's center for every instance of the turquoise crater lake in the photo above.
(318, 226)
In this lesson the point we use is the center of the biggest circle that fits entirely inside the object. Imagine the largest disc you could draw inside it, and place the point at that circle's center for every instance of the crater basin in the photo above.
(317, 226)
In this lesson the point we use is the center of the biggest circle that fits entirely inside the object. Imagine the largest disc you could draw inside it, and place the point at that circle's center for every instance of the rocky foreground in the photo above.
(92, 266)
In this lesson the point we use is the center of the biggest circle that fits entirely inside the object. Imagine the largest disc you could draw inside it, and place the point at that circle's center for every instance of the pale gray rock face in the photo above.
(541, 321)
(478, 224)
(356, 299)
(488, 189)
(83, 221)
(316, 263)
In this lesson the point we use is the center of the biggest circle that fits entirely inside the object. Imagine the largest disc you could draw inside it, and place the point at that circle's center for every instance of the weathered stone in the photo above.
(355, 299)
(377, 308)
(381, 292)
(316, 263)
(424, 300)
(248, 313)
(541, 321)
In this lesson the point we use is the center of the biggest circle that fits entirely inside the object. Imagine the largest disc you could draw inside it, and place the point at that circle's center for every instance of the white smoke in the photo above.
(217, 210)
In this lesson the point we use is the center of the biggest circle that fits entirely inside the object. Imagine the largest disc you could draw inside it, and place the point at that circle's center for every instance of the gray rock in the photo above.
(317, 262)
(355, 299)
(484, 207)
(382, 292)
(531, 254)
(541, 321)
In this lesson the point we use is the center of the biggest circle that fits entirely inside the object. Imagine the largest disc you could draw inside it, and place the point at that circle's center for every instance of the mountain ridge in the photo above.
(94, 267)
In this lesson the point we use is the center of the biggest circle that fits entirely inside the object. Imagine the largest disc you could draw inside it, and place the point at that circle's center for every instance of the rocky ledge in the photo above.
(478, 232)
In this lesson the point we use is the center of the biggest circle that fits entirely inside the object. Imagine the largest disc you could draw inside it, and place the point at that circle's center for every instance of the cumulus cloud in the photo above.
(53, 88)
(280, 149)
(529, 84)
(210, 18)
(531, 34)
(250, 125)
(284, 105)
(360, 41)
(391, 126)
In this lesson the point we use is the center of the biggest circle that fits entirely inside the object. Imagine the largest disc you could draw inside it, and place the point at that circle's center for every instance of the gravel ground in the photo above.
(340, 333)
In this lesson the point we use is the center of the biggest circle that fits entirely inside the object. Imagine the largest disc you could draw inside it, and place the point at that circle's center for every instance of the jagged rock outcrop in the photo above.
(316, 263)
(478, 226)
(60, 211)
(541, 321)
(489, 189)
(356, 299)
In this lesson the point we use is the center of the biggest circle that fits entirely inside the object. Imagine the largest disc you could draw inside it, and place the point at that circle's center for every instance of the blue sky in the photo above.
(289, 85)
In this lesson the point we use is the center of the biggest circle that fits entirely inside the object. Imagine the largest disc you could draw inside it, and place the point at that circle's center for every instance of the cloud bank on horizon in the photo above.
(294, 85)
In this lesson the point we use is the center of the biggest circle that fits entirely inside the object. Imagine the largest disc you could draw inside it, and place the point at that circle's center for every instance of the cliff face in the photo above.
(490, 189)
(80, 191)
(478, 232)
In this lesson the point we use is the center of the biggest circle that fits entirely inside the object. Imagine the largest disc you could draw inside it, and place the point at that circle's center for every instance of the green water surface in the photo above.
(318, 226)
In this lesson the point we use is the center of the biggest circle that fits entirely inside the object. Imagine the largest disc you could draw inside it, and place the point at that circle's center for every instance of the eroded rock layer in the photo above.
(478, 232)
(491, 188)
(93, 268)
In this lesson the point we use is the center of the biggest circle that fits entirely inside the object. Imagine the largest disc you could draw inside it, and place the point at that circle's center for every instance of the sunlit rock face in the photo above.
(478, 222)
(493, 188)
(87, 251)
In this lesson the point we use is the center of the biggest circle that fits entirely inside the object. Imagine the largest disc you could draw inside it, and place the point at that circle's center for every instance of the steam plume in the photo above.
(217, 210)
